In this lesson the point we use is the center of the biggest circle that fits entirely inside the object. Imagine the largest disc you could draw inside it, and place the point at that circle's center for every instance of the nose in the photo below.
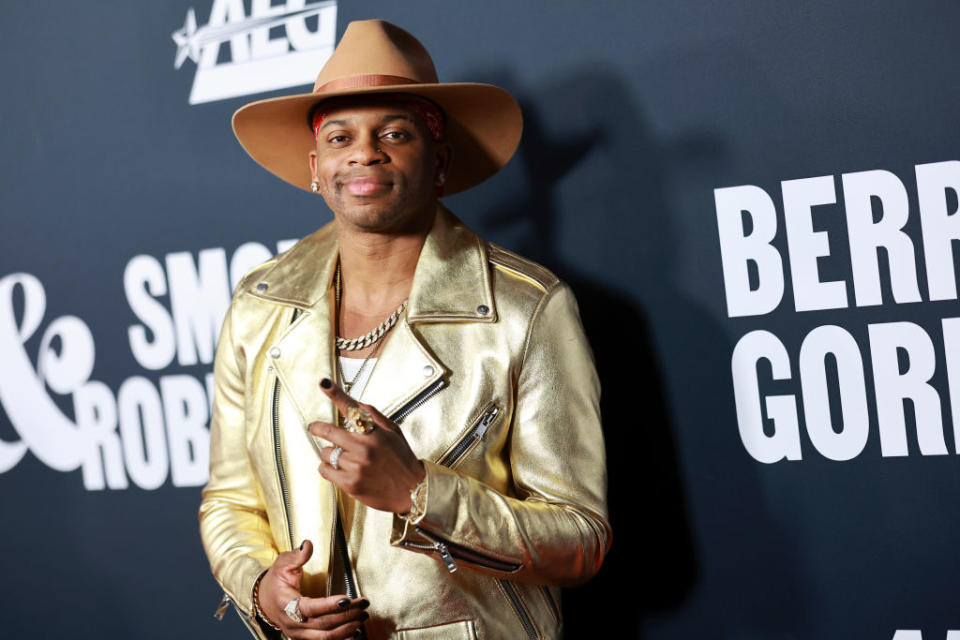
(367, 151)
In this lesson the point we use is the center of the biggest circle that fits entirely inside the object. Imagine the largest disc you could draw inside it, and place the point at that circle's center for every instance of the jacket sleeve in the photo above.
(233, 522)
(554, 529)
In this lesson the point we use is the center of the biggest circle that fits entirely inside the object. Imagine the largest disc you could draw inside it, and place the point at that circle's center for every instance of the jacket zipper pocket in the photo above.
(514, 598)
(401, 413)
(450, 551)
(473, 436)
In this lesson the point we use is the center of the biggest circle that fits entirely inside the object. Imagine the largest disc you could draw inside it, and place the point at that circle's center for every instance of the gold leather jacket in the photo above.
(492, 382)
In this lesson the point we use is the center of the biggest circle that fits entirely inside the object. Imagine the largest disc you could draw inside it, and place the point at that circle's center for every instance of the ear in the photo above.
(444, 155)
(312, 156)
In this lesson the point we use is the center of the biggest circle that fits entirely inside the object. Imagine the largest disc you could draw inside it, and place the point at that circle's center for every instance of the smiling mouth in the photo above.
(367, 186)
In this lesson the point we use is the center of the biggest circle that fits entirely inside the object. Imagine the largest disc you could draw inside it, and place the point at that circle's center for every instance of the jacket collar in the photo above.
(451, 282)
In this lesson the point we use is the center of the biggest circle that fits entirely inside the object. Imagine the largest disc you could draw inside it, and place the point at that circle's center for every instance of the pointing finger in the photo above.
(340, 398)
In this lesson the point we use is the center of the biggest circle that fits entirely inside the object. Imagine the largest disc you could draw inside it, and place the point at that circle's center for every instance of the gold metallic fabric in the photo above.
(496, 381)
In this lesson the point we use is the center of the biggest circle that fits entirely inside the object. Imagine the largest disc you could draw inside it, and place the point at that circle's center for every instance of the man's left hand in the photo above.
(377, 468)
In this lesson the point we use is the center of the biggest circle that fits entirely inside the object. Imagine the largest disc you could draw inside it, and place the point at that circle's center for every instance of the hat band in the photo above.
(361, 81)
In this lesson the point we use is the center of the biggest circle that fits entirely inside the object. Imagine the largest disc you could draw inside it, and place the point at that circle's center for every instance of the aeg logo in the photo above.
(261, 59)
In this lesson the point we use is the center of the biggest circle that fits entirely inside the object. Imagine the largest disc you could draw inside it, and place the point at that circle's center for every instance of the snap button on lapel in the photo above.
(262, 286)
(275, 352)
(483, 309)
(427, 371)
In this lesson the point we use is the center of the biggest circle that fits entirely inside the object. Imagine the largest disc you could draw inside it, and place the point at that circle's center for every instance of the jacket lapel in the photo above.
(451, 284)
(303, 355)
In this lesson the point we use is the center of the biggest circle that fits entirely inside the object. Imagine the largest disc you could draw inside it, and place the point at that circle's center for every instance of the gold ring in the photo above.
(358, 421)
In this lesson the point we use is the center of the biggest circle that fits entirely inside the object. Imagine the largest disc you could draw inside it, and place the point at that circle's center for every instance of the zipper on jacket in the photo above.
(449, 552)
(278, 454)
(222, 607)
(401, 413)
(551, 602)
(350, 584)
(278, 458)
(514, 598)
(474, 435)
(341, 545)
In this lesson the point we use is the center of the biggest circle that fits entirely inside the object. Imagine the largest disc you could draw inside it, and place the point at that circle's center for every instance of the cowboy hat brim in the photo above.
(483, 124)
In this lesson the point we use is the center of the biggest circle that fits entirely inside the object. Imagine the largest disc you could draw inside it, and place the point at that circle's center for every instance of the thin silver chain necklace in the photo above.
(372, 337)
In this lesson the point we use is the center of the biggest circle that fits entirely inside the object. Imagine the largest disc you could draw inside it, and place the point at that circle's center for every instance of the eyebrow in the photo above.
(386, 118)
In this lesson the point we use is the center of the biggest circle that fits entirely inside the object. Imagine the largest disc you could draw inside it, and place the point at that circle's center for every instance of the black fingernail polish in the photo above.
(301, 545)
(325, 383)
(363, 617)
(363, 604)
(358, 633)
(343, 603)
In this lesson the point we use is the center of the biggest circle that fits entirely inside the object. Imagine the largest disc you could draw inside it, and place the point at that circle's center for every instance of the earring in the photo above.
(441, 178)
(314, 186)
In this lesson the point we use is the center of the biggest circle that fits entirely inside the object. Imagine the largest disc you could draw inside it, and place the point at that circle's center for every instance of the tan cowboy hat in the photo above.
(483, 121)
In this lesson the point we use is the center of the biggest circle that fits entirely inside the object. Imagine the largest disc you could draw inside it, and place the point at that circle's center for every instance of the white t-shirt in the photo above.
(350, 368)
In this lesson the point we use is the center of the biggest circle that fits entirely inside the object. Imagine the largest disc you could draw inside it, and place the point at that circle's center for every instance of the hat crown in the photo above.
(377, 48)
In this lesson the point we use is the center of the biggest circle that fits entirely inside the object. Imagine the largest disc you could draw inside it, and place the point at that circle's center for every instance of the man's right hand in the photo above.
(327, 618)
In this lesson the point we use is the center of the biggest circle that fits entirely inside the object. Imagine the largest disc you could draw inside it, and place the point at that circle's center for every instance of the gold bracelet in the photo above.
(256, 603)
(418, 503)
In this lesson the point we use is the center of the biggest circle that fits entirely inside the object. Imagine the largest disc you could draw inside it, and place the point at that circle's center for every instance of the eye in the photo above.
(395, 135)
(338, 140)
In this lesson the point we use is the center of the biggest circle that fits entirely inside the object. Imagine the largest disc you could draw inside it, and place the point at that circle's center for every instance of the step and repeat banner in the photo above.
(756, 204)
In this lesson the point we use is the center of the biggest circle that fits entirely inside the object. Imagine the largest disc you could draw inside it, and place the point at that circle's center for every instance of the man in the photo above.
(468, 482)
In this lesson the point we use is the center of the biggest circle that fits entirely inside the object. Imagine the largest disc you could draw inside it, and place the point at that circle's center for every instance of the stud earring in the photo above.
(441, 178)
(315, 186)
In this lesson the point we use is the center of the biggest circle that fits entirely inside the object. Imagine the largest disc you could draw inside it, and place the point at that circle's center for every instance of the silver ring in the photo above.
(335, 458)
(293, 611)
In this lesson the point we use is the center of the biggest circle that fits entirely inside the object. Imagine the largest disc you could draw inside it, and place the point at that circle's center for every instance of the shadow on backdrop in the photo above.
(584, 129)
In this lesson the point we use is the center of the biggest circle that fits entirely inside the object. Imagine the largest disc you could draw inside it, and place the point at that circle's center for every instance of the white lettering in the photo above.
(738, 249)
(302, 38)
(782, 410)
(141, 430)
(852, 438)
(142, 279)
(261, 45)
(892, 387)
(867, 236)
(199, 298)
(185, 410)
(95, 411)
(940, 226)
(283, 245)
(806, 246)
(222, 12)
(951, 348)
(246, 257)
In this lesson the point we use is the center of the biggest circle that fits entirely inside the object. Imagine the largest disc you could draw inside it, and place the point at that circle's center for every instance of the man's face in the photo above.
(378, 165)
